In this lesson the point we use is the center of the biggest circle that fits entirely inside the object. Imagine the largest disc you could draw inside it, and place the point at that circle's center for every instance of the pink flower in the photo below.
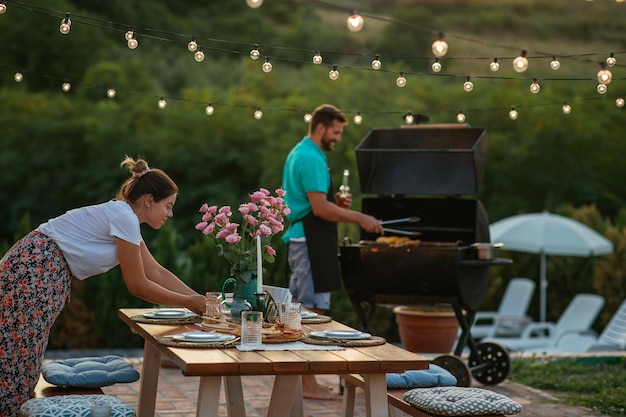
(270, 250)
(201, 225)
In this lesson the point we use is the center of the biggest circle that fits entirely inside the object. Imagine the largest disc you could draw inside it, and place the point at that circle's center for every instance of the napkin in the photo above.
(289, 346)
(434, 376)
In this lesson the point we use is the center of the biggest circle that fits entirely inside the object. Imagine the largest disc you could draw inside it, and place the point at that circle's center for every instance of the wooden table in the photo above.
(212, 365)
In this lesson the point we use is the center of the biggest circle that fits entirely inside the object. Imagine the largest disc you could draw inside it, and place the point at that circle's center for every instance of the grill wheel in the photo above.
(490, 364)
(456, 367)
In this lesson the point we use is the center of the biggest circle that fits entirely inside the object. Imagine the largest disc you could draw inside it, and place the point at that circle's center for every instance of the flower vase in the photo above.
(242, 290)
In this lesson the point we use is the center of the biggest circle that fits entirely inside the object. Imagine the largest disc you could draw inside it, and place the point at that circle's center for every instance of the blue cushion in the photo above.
(89, 372)
(434, 376)
(73, 406)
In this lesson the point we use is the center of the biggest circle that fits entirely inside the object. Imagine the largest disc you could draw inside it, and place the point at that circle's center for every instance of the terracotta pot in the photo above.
(426, 332)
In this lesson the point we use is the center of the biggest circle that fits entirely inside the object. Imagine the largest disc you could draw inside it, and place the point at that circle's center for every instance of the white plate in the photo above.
(202, 336)
(347, 335)
(169, 314)
(196, 337)
(308, 314)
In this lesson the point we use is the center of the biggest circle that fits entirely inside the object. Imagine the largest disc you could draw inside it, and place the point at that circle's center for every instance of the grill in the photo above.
(426, 172)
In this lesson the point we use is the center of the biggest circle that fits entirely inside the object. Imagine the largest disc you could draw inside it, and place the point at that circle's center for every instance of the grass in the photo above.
(598, 383)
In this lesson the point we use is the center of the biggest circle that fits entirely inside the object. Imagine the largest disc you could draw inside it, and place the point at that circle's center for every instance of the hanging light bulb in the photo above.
(513, 113)
(460, 117)
(401, 81)
(132, 42)
(611, 61)
(520, 64)
(566, 109)
(18, 77)
(192, 46)
(162, 103)
(209, 110)
(317, 58)
(129, 34)
(66, 86)
(258, 114)
(409, 119)
(604, 75)
(555, 64)
(254, 53)
(436, 65)
(619, 102)
(66, 24)
(535, 87)
(308, 117)
(267, 65)
(358, 119)
(440, 47)
(468, 85)
(199, 55)
(376, 64)
(494, 65)
(333, 74)
(111, 92)
(3, 7)
(355, 22)
(602, 88)
(254, 4)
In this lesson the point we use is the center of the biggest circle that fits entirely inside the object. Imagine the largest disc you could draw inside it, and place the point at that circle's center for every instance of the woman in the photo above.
(35, 274)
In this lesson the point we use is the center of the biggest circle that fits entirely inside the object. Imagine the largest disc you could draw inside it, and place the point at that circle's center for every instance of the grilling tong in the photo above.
(401, 231)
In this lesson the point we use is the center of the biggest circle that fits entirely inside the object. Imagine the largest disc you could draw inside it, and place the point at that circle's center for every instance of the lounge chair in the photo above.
(575, 321)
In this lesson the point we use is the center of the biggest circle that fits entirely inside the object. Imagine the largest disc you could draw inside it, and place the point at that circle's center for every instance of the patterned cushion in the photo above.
(73, 406)
(89, 372)
(460, 401)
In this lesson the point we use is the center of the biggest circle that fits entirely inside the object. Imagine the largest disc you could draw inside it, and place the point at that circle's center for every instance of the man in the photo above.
(312, 234)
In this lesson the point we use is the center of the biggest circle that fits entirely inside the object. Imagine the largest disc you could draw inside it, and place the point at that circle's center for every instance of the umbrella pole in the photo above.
(543, 285)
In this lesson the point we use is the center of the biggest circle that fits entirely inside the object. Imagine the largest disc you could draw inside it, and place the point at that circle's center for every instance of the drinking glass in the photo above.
(213, 305)
(251, 325)
(291, 315)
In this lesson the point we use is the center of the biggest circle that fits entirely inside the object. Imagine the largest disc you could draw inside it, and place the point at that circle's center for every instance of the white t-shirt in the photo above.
(87, 235)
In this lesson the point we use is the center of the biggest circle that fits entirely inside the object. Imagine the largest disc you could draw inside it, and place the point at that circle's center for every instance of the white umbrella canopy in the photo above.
(548, 234)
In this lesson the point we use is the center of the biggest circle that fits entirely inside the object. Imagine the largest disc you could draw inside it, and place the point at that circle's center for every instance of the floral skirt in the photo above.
(35, 284)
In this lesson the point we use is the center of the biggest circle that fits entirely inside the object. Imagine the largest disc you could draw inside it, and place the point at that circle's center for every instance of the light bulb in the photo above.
(254, 53)
(192, 46)
(162, 103)
(513, 114)
(602, 88)
(436, 65)
(254, 4)
(611, 61)
(18, 77)
(66, 86)
(307, 117)
(129, 34)
(358, 119)
(566, 109)
(619, 102)
(199, 55)
(209, 110)
(604, 75)
(66, 24)
(111, 92)
(460, 117)
(409, 119)
(355, 22)
(468, 85)
(555, 64)
(258, 114)
(267, 65)
(494, 65)
(440, 47)
(376, 64)
(317, 58)
(520, 64)
(535, 87)
(401, 81)
(132, 42)
(3, 7)
(333, 74)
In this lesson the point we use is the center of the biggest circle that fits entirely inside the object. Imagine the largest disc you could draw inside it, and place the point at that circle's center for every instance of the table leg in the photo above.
(209, 396)
(234, 397)
(285, 387)
(376, 395)
(149, 380)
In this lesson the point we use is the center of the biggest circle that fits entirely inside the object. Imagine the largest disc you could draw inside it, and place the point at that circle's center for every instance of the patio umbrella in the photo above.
(548, 234)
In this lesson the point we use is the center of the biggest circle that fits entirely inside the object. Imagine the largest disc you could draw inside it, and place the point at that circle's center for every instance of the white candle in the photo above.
(259, 266)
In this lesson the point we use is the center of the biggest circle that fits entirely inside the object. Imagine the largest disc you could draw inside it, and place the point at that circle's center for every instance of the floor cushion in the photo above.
(461, 401)
(89, 372)
(73, 406)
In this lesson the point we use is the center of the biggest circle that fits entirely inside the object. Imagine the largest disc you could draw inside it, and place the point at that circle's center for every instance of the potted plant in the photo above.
(427, 329)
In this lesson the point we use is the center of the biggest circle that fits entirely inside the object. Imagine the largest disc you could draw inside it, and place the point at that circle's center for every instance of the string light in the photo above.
(199, 55)
(333, 74)
(440, 47)
(409, 119)
(132, 42)
(355, 22)
(566, 109)
(468, 85)
(66, 24)
(254, 53)
(129, 34)
(611, 61)
(401, 81)
(520, 64)
(209, 110)
(619, 102)
(162, 103)
(267, 65)
(494, 65)
(66, 86)
(111, 92)
(376, 64)
(258, 114)
(192, 46)
(535, 87)
(460, 117)
(555, 64)
(358, 119)
(18, 77)
(254, 4)
(602, 88)
(436, 65)
(513, 114)
(308, 117)
(604, 75)
(317, 58)
(3, 7)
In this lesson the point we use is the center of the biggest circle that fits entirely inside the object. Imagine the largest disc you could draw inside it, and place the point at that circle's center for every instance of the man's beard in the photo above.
(327, 144)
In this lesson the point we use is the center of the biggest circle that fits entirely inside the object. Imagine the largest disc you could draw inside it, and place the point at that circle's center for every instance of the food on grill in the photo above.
(397, 241)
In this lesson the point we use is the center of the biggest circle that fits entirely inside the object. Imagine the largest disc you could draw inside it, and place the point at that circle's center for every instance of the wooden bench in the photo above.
(397, 405)
(45, 389)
